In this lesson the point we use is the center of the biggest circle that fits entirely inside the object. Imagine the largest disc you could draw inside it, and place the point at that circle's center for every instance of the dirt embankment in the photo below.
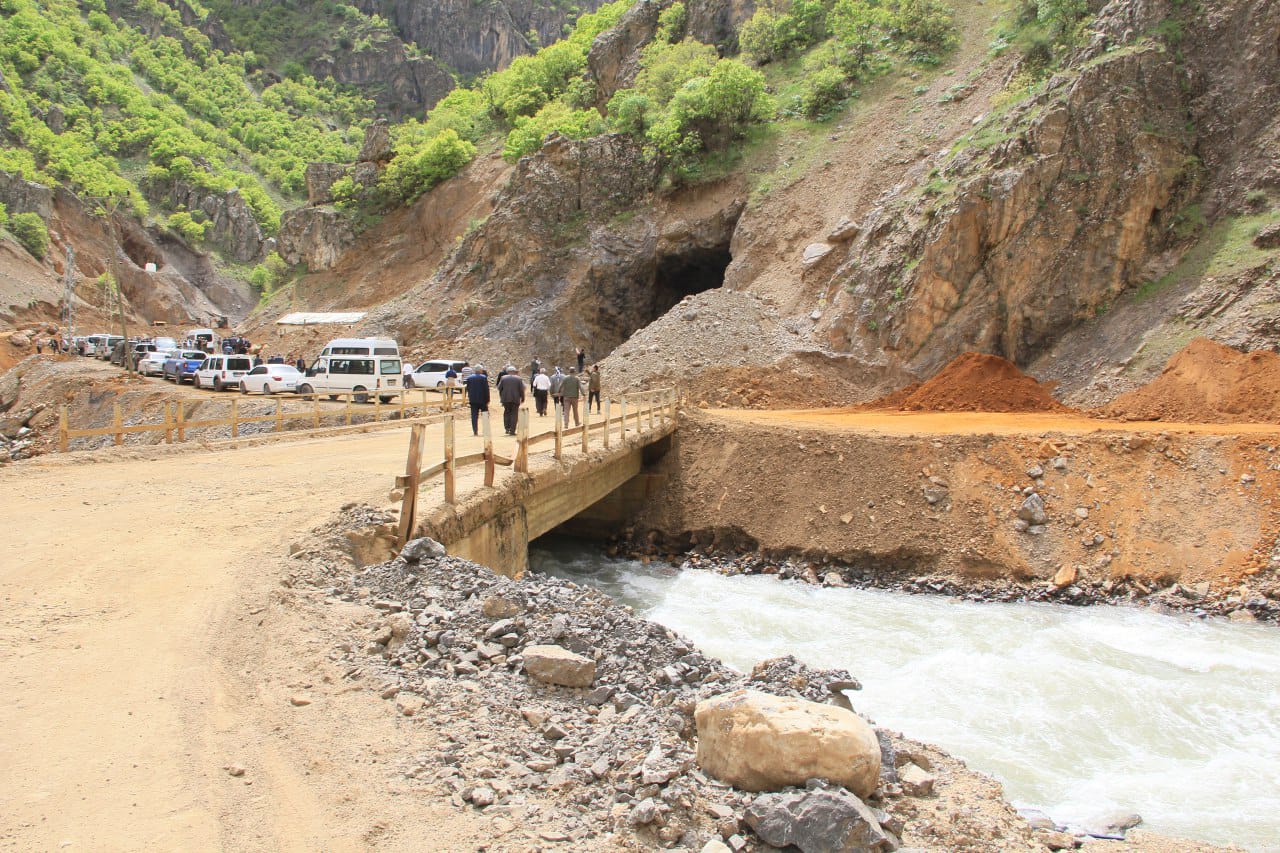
(974, 382)
(1208, 382)
(1148, 506)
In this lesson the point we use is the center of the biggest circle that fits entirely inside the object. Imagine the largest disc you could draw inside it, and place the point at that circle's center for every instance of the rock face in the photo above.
(397, 83)
(558, 665)
(320, 178)
(314, 236)
(821, 821)
(231, 227)
(19, 195)
(758, 742)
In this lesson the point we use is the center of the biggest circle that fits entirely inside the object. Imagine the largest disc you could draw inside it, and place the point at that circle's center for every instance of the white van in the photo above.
(94, 343)
(222, 372)
(365, 366)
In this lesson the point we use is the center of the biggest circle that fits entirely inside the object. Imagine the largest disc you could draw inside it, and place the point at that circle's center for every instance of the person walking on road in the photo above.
(541, 388)
(556, 379)
(511, 395)
(570, 391)
(582, 360)
(593, 387)
(535, 367)
(477, 396)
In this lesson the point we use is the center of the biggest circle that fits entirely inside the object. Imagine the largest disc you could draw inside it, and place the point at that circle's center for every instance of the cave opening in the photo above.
(686, 273)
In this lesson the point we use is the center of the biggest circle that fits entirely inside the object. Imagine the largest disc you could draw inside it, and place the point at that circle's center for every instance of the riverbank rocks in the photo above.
(558, 665)
(418, 550)
(759, 742)
(818, 821)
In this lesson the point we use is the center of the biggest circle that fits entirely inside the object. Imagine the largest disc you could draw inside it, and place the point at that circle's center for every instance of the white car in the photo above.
(430, 374)
(152, 363)
(222, 372)
(270, 378)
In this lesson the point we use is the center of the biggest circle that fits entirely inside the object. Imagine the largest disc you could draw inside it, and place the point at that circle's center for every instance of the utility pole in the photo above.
(69, 297)
(109, 206)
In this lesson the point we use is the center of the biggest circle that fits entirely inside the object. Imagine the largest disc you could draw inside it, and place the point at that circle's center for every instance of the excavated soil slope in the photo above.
(1207, 381)
(974, 382)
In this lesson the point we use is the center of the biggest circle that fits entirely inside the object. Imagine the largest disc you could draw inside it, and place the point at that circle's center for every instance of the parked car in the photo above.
(107, 347)
(182, 365)
(430, 374)
(222, 372)
(139, 349)
(152, 363)
(270, 379)
(366, 366)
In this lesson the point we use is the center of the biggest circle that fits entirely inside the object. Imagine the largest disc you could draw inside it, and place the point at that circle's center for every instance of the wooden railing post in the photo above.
(559, 428)
(279, 415)
(449, 467)
(652, 403)
(487, 432)
(639, 412)
(350, 395)
(377, 408)
(168, 422)
(412, 470)
(404, 392)
(235, 418)
(182, 420)
(315, 411)
(586, 428)
(607, 427)
(622, 420)
(522, 442)
(64, 427)
(118, 423)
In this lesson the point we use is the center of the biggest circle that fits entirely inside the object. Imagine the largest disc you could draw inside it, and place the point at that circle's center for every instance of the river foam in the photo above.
(1078, 711)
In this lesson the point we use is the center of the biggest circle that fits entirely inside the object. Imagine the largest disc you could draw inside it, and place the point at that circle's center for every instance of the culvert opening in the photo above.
(687, 273)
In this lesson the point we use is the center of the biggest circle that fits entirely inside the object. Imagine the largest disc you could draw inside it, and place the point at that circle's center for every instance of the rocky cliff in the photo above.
(975, 208)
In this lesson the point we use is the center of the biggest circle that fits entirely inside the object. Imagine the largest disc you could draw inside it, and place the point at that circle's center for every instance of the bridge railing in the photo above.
(638, 413)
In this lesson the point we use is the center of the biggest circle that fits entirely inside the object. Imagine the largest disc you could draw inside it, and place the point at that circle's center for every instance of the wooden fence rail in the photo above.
(660, 407)
(174, 418)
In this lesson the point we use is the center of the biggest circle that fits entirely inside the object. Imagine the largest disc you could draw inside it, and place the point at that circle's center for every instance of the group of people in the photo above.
(565, 389)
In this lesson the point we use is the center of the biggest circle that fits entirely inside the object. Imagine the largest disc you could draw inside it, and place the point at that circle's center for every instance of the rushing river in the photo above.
(1078, 711)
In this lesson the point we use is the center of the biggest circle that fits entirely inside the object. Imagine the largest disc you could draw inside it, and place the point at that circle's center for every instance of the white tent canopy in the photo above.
(316, 318)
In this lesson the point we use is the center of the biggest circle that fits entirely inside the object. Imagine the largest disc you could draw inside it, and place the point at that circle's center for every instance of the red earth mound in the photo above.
(1208, 382)
(974, 382)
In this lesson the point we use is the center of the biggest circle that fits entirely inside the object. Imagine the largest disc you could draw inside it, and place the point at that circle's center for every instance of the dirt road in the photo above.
(140, 655)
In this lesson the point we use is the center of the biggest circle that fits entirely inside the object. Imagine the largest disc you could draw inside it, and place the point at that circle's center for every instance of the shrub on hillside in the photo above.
(925, 28)
(186, 227)
(824, 90)
(776, 31)
(413, 172)
(710, 112)
(556, 117)
(31, 233)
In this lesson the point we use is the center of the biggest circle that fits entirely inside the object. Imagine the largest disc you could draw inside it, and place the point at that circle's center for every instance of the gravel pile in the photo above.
(605, 767)
(713, 329)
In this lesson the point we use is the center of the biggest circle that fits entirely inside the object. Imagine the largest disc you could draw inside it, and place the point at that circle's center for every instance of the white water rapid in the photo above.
(1078, 711)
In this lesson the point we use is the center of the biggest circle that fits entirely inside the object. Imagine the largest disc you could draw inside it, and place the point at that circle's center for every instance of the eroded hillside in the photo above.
(1088, 213)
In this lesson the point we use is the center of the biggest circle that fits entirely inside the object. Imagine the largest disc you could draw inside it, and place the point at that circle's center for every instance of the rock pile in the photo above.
(570, 719)
(1210, 383)
(974, 382)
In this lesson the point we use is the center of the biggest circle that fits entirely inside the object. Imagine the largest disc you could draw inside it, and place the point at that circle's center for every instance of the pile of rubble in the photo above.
(570, 720)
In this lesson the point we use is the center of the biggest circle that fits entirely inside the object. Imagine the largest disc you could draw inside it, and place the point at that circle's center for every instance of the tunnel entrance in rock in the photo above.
(688, 272)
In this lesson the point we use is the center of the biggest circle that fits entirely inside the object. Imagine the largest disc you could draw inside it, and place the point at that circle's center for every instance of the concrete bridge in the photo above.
(594, 477)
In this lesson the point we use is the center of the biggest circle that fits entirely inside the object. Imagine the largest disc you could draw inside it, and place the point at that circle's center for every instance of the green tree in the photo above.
(31, 233)
(411, 173)
(860, 29)
(556, 117)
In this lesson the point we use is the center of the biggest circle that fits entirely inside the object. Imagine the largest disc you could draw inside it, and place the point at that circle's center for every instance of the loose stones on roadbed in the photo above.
(568, 720)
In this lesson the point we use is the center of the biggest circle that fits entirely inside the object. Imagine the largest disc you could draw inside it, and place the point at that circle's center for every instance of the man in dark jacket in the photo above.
(477, 396)
(511, 395)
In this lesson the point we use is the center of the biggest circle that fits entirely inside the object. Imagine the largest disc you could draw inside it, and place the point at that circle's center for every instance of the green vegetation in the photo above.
(268, 276)
(288, 36)
(187, 227)
(31, 233)
(140, 110)
(1224, 249)
(4, 216)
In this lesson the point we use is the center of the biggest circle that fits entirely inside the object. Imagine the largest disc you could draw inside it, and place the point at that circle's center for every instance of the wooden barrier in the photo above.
(653, 404)
(173, 417)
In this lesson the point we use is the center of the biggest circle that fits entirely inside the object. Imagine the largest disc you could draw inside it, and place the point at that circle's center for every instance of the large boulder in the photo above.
(821, 821)
(759, 742)
(558, 665)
